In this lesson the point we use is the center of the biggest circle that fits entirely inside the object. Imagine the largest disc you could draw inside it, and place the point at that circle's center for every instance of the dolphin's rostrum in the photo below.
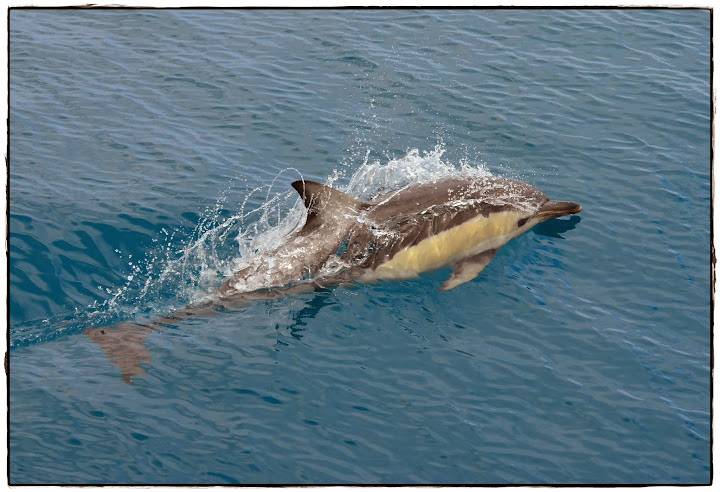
(451, 222)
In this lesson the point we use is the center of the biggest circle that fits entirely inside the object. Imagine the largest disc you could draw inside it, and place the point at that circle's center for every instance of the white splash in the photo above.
(375, 178)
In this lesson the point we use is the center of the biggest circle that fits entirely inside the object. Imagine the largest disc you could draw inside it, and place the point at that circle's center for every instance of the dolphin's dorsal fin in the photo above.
(323, 201)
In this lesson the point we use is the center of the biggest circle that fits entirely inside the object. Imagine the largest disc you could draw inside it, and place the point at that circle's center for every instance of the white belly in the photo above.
(449, 247)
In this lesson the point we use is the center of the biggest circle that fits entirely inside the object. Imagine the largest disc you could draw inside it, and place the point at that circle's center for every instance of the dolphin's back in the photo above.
(483, 195)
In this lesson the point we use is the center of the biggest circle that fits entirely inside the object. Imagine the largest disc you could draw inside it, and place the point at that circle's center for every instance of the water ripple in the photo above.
(149, 148)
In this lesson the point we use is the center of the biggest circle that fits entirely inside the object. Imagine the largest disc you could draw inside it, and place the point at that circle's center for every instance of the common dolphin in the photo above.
(451, 222)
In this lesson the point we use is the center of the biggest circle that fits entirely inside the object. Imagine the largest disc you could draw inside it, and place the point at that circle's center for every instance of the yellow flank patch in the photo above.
(451, 246)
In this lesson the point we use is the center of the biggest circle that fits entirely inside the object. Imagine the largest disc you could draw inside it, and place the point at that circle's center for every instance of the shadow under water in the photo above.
(553, 228)
(310, 311)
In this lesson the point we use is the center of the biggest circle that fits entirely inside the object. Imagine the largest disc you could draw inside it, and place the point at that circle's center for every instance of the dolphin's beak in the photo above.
(553, 209)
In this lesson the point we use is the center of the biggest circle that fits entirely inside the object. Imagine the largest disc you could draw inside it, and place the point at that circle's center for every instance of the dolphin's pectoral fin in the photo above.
(468, 269)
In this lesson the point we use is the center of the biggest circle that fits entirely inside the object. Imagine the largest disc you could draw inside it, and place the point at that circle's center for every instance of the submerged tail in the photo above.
(124, 344)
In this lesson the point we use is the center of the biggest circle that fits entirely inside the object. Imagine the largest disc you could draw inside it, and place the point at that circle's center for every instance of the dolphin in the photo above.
(457, 222)
(452, 222)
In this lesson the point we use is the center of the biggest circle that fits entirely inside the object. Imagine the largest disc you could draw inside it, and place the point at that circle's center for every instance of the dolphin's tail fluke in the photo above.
(124, 347)
(124, 344)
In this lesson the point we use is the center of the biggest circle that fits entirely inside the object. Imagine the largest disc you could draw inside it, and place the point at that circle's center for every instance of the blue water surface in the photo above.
(580, 355)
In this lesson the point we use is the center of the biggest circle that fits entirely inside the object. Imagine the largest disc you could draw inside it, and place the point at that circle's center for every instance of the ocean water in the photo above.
(151, 150)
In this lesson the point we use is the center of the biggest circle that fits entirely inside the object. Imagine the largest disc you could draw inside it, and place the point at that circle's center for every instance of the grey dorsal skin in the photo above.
(451, 222)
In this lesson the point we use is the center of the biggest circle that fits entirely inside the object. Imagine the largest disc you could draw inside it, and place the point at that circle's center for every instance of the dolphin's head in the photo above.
(552, 209)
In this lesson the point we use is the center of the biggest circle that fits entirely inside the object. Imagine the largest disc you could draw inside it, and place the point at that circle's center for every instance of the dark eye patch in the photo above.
(521, 222)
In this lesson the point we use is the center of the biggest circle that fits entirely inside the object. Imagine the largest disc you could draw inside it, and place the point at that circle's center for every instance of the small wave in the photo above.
(375, 178)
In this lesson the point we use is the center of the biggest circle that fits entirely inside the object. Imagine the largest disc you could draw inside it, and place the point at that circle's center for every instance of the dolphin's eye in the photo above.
(521, 222)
